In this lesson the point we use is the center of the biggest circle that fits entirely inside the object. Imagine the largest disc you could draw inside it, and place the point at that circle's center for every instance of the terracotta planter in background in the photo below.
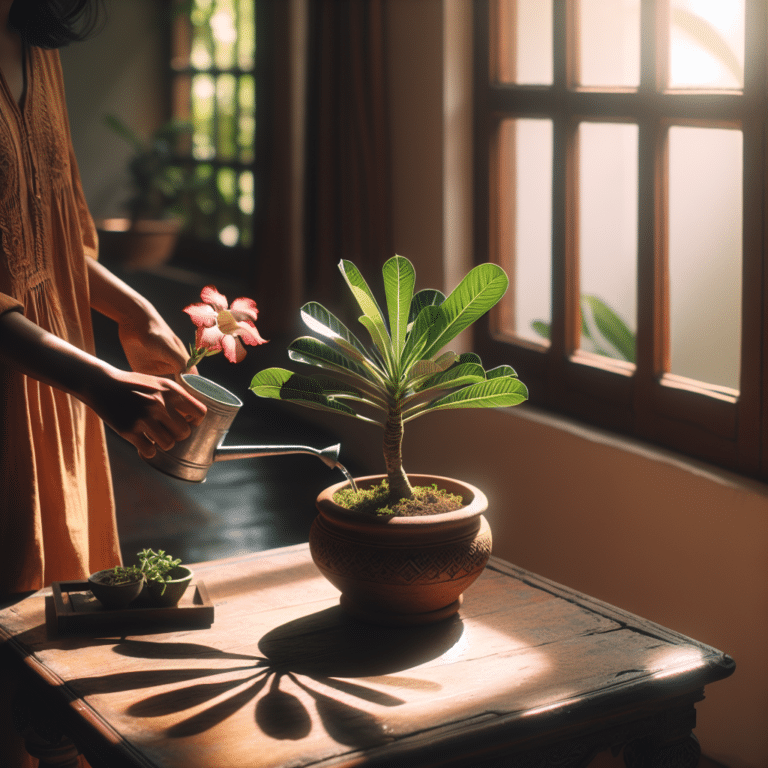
(402, 570)
(141, 244)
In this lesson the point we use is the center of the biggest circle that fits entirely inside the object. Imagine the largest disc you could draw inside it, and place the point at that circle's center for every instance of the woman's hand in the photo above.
(148, 342)
(151, 346)
(146, 410)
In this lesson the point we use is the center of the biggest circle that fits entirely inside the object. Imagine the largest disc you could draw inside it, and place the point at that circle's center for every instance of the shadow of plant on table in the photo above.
(290, 677)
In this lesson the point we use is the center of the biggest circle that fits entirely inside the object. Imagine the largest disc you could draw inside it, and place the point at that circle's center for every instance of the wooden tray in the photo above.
(77, 610)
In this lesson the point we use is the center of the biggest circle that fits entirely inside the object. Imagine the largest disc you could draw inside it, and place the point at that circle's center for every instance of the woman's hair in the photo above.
(55, 23)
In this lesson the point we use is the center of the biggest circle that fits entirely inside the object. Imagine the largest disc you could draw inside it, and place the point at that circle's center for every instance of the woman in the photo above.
(57, 517)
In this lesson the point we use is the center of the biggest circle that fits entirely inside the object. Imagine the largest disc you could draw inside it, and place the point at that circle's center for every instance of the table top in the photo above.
(284, 678)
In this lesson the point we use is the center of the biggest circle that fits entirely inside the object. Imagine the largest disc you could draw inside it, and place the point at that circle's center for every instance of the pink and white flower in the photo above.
(221, 327)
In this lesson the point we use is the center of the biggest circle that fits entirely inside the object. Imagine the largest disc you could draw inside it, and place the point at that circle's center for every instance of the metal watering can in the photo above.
(190, 459)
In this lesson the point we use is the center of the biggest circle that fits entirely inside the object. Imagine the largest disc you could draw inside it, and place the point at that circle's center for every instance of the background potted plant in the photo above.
(405, 566)
(148, 236)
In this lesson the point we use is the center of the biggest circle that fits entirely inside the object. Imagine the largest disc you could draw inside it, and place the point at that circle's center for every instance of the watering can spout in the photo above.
(329, 456)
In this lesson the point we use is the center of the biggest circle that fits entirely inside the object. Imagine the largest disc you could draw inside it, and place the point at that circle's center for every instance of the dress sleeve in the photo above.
(9, 304)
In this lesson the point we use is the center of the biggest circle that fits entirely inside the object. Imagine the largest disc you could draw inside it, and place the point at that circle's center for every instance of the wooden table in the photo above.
(529, 674)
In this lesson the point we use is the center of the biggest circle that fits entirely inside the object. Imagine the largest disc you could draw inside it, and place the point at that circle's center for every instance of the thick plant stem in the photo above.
(399, 487)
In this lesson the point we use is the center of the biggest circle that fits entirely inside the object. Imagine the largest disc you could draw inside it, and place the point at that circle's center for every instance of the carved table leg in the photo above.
(62, 754)
(43, 738)
(672, 746)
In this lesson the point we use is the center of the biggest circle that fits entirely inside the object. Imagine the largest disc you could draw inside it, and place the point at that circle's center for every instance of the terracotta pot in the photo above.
(142, 244)
(402, 570)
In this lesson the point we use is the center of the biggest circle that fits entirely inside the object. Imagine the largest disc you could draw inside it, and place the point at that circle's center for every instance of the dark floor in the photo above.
(244, 505)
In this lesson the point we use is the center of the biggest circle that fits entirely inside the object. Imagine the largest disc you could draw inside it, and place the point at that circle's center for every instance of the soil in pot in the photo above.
(428, 500)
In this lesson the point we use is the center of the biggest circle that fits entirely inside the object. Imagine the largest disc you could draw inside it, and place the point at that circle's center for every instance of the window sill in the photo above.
(722, 477)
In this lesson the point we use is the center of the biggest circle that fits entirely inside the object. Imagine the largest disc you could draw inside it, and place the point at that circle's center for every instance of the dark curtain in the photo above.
(347, 203)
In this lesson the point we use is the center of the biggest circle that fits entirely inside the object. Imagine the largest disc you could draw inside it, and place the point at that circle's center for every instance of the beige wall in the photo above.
(120, 70)
(648, 531)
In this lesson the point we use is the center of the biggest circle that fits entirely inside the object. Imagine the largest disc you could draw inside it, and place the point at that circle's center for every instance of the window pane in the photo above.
(224, 34)
(525, 33)
(705, 222)
(225, 98)
(246, 34)
(202, 39)
(609, 43)
(203, 89)
(608, 238)
(246, 123)
(706, 44)
(525, 237)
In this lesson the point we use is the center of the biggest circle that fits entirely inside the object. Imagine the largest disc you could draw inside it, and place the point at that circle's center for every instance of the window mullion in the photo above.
(752, 418)
(564, 213)
(652, 276)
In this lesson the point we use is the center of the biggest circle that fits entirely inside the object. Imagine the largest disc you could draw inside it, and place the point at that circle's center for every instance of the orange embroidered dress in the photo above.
(57, 518)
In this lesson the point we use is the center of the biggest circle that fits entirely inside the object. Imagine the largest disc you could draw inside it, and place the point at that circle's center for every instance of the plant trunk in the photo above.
(399, 487)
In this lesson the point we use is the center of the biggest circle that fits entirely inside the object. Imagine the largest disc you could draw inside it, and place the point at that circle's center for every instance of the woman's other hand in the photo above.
(151, 346)
(146, 410)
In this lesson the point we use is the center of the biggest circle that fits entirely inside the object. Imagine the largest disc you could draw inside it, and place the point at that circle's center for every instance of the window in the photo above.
(213, 86)
(620, 180)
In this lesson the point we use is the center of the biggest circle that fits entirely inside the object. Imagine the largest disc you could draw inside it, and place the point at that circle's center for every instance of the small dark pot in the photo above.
(113, 595)
(181, 576)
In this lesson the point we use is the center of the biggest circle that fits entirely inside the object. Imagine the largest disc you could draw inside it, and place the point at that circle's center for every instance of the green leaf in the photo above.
(269, 382)
(496, 393)
(281, 384)
(375, 324)
(332, 387)
(323, 322)
(428, 297)
(480, 290)
(613, 329)
(420, 336)
(126, 133)
(399, 280)
(381, 341)
(312, 351)
(470, 357)
(424, 369)
(543, 329)
(457, 376)
(318, 319)
(501, 370)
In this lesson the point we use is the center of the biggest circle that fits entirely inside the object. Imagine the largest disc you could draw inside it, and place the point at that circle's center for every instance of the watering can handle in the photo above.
(328, 456)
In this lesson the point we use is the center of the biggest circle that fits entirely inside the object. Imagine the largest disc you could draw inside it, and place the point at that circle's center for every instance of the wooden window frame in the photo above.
(210, 255)
(713, 424)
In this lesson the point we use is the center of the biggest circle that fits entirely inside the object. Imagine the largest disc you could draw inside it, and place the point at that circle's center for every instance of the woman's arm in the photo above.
(144, 409)
(149, 343)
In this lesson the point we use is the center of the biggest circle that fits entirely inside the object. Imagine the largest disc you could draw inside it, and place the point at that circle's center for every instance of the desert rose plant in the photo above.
(404, 374)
